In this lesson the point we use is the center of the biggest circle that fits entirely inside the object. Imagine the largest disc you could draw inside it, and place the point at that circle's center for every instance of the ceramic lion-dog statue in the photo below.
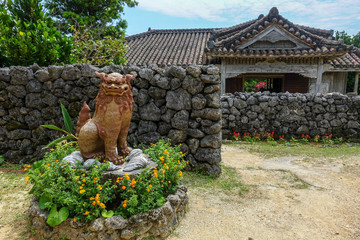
(99, 136)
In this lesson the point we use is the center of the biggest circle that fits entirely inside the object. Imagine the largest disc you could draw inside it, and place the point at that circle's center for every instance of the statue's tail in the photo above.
(84, 116)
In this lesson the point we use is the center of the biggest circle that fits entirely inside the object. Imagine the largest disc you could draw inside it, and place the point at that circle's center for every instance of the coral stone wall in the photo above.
(291, 114)
(182, 104)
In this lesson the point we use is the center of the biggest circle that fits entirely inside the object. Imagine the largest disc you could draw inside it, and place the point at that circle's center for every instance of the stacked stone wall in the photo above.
(291, 114)
(182, 104)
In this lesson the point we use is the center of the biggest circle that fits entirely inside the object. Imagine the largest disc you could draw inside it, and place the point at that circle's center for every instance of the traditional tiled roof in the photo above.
(167, 47)
(228, 42)
(349, 60)
(190, 46)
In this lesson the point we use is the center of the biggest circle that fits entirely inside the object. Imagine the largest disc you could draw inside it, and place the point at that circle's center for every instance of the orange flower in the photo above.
(94, 203)
(98, 202)
(123, 187)
(56, 160)
(124, 205)
(84, 180)
(165, 152)
(48, 165)
(83, 175)
(86, 213)
(74, 220)
(150, 186)
(125, 201)
(148, 190)
(102, 205)
(92, 198)
(25, 169)
(100, 188)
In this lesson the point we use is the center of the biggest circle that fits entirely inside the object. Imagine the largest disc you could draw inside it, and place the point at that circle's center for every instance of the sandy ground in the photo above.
(328, 207)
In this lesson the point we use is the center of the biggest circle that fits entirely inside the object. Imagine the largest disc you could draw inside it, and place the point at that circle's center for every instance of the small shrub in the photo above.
(86, 196)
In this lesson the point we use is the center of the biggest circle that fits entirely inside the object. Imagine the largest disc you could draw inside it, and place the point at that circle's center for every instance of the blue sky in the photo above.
(174, 14)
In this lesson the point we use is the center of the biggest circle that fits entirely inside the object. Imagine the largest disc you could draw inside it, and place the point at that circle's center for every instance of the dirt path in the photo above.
(290, 199)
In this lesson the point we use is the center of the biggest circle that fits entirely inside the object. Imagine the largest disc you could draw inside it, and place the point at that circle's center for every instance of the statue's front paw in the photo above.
(125, 151)
(114, 158)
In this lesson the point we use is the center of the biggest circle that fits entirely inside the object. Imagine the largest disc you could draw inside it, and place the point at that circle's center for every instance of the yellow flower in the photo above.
(81, 187)
(82, 191)
(86, 213)
(169, 181)
(102, 205)
(27, 177)
(83, 175)
(92, 198)
(161, 158)
(25, 169)
(29, 166)
(52, 149)
(100, 188)
(150, 186)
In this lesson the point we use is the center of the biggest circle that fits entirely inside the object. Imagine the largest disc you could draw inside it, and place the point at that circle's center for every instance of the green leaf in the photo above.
(55, 217)
(37, 164)
(45, 198)
(107, 214)
(52, 127)
(67, 119)
(58, 140)
(63, 213)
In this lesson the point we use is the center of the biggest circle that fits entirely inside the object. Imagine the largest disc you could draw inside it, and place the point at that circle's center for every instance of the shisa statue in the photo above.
(100, 136)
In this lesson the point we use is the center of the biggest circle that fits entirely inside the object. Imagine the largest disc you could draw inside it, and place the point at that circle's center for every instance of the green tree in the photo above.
(105, 14)
(29, 36)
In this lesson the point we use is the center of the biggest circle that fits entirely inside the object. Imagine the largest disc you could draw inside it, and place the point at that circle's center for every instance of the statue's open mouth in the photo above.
(116, 89)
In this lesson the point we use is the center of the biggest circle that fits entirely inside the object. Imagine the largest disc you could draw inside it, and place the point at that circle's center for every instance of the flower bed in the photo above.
(156, 222)
(73, 195)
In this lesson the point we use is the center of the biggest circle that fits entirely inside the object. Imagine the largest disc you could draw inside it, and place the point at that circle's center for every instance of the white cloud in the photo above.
(336, 14)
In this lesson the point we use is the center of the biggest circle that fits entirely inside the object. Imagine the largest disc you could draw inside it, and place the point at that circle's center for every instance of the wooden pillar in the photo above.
(320, 70)
(356, 85)
(223, 77)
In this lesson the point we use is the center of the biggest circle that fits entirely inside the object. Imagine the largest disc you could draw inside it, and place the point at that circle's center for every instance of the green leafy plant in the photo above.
(68, 126)
(29, 36)
(85, 195)
(2, 160)
(150, 188)
(90, 49)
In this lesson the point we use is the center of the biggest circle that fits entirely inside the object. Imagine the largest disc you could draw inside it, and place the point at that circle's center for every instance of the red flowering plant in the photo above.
(248, 137)
(236, 136)
(260, 86)
(327, 139)
(282, 139)
(269, 137)
(304, 138)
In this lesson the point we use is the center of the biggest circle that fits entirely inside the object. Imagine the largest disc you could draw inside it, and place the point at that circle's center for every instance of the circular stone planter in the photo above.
(157, 222)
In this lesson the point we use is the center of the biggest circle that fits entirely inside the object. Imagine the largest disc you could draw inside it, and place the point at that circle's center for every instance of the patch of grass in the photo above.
(305, 150)
(228, 182)
(13, 193)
